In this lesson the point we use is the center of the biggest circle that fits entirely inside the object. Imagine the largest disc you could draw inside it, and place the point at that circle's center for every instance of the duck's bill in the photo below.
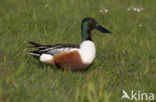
(102, 29)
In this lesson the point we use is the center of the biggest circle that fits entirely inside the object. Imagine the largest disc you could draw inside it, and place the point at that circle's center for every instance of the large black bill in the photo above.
(102, 29)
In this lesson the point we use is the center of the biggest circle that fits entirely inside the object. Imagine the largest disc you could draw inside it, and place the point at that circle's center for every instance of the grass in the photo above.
(126, 59)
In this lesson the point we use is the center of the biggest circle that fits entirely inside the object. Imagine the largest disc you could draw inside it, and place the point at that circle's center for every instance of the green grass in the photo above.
(126, 59)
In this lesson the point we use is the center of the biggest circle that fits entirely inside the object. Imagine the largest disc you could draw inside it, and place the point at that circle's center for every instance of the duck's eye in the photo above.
(90, 21)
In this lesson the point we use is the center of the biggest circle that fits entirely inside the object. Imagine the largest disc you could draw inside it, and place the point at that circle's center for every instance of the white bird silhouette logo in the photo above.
(125, 95)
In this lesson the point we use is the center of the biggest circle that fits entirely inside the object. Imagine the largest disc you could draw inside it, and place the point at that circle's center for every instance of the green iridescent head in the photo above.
(88, 24)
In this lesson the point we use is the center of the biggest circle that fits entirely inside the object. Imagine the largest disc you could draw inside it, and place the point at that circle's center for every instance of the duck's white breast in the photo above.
(87, 51)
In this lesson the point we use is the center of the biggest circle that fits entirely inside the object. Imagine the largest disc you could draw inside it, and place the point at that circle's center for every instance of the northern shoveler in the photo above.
(72, 56)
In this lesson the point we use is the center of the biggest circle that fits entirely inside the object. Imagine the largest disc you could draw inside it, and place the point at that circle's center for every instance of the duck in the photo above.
(71, 56)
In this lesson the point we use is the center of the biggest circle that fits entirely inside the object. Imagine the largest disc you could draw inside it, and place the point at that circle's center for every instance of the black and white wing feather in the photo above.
(51, 49)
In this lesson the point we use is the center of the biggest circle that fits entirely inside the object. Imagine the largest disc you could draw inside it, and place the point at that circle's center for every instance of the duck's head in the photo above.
(88, 24)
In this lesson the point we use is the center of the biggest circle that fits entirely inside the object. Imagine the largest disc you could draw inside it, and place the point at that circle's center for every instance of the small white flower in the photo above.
(134, 9)
(106, 10)
(138, 10)
(128, 9)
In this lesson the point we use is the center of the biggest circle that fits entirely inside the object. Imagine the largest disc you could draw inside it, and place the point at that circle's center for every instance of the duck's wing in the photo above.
(52, 49)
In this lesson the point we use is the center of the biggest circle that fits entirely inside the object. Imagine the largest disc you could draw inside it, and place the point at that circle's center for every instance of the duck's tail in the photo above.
(35, 44)
(35, 53)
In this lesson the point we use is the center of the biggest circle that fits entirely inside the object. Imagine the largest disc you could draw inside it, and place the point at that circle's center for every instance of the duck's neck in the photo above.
(85, 32)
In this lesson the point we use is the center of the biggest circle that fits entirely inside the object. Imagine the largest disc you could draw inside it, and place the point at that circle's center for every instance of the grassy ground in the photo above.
(126, 59)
